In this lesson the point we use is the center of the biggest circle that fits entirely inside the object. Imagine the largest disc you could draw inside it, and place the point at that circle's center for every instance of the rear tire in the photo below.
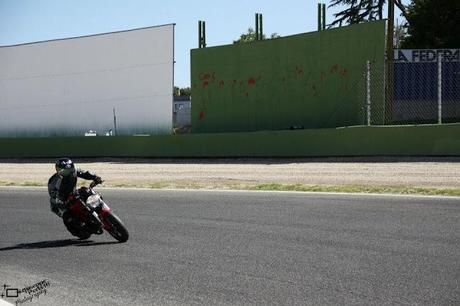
(116, 228)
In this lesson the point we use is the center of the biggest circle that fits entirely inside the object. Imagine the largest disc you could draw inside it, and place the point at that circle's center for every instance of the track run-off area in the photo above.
(234, 248)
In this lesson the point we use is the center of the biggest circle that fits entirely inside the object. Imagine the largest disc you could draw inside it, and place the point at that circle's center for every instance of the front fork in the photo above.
(99, 216)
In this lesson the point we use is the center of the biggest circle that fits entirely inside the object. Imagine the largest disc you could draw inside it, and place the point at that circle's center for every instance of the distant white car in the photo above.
(91, 133)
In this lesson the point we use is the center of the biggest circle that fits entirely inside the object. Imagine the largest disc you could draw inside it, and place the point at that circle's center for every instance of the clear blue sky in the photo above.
(24, 21)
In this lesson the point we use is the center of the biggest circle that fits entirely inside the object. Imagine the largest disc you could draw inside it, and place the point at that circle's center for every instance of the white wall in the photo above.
(68, 86)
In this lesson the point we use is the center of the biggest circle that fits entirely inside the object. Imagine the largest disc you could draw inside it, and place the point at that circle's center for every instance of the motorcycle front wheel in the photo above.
(116, 228)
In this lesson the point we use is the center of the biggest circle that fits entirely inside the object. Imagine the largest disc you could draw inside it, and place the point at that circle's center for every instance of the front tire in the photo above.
(116, 228)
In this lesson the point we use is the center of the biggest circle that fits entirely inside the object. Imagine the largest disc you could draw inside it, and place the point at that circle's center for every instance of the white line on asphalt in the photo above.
(5, 303)
(258, 191)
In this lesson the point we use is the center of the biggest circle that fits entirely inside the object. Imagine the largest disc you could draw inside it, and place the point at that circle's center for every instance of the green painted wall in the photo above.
(353, 141)
(313, 80)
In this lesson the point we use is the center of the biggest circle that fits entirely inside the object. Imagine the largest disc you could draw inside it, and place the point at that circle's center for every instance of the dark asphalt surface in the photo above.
(226, 248)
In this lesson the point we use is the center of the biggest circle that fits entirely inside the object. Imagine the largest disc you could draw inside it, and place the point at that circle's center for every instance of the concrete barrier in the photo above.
(426, 140)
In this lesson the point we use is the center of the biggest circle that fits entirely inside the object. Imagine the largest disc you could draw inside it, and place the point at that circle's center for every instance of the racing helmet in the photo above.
(65, 167)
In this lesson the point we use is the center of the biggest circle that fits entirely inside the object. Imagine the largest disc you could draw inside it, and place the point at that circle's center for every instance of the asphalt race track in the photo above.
(227, 248)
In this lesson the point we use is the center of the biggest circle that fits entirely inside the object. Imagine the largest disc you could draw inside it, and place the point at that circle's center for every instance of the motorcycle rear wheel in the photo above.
(116, 229)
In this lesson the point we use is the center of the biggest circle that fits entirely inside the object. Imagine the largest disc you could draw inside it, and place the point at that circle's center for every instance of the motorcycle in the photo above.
(88, 214)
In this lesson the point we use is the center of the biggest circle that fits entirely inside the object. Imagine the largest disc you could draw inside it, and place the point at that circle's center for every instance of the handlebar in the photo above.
(94, 184)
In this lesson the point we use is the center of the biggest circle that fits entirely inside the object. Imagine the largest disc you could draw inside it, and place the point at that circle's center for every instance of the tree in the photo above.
(362, 10)
(251, 36)
(186, 91)
(433, 24)
(399, 35)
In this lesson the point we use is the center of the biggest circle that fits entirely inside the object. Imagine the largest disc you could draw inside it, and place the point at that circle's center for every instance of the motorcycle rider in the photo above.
(64, 182)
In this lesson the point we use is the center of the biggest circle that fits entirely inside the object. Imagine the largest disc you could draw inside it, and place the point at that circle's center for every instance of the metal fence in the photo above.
(372, 95)
(421, 93)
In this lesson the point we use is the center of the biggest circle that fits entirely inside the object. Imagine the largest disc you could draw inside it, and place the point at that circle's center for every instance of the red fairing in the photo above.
(105, 210)
(76, 207)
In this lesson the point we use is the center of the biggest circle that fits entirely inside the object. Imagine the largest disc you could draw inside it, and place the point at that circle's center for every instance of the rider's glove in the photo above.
(98, 180)
(60, 204)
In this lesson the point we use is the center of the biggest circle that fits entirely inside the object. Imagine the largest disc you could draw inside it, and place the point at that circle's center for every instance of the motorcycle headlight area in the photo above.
(94, 200)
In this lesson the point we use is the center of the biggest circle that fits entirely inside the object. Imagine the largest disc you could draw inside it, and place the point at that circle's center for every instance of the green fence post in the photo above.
(319, 17)
(324, 16)
(389, 96)
(257, 26)
(204, 34)
(261, 28)
(199, 34)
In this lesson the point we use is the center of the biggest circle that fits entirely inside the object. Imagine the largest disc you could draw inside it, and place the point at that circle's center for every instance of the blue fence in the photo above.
(417, 90)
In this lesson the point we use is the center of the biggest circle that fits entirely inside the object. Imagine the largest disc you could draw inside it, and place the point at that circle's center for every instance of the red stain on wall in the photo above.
(334, 68)
(315, 91)
(204, 76)
(201, 115)
(251, 82)
(323, 75)
(344, 72)
(205, 84)
(298, 72)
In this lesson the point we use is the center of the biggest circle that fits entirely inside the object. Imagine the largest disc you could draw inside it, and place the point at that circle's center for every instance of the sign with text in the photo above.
(426, 55)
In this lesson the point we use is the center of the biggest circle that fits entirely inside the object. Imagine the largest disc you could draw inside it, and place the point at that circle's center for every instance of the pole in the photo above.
(204, 34)
(389, 97)
(324, 16)
(368, 92)
(114, 122)
(319, 17)
(261, 28)
(439, 89)
(199, 34)
(257, 26)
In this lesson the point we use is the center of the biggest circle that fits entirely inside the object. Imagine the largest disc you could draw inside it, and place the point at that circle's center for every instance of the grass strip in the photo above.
(359, 189)
(233, 185)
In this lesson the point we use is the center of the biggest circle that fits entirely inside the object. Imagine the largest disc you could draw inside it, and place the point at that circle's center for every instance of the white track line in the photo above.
(5, 303)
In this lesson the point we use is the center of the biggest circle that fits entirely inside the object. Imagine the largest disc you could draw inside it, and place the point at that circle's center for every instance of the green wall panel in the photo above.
(312, 80)
(437, 140)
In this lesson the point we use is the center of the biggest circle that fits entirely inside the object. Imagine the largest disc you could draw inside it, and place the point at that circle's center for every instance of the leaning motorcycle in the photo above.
(88, 214)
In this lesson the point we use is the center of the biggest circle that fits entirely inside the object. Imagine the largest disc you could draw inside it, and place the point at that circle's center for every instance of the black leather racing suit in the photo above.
(60, 187)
